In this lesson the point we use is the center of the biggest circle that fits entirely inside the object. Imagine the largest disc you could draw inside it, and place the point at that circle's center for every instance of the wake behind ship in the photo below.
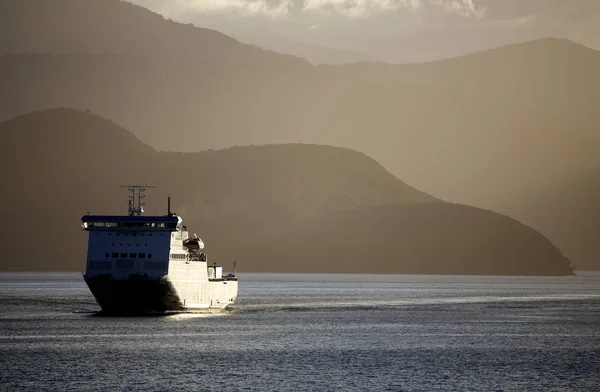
(140, 264)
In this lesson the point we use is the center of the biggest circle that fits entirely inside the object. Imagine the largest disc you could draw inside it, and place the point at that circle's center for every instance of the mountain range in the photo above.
(315, 54)
(514, 129)
(275, 208)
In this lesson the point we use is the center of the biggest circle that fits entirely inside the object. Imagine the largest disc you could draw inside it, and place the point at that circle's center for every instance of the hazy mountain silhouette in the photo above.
(315, 54)
(569, 210)
(115, 26)
(30, 26)
(440, 238)
(334, 209)
(500, 129)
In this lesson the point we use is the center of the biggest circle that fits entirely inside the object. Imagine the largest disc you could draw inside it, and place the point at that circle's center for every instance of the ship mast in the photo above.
(136, 199)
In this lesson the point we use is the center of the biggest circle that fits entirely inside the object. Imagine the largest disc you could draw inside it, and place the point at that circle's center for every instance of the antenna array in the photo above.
(136, 198)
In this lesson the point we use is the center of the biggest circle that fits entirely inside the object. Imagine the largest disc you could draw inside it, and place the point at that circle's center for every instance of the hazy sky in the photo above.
(382, 27)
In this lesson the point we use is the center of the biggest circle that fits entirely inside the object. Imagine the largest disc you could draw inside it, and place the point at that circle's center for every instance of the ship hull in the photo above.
(141, 295)
(134, 296)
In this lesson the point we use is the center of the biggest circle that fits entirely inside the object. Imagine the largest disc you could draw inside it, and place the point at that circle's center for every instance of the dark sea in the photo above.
(298, 332)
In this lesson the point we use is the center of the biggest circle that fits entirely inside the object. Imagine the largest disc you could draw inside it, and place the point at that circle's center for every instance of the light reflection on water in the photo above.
(194, 315)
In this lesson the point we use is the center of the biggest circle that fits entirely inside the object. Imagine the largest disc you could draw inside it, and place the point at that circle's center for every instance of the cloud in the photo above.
(348, 8)
(279, 8)
(355, 8)
(464, 8)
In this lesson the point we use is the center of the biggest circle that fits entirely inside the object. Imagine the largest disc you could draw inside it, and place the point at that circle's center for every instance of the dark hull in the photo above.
(134, 296)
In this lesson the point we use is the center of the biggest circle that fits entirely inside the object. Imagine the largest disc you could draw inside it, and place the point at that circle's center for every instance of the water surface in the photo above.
(312, 332)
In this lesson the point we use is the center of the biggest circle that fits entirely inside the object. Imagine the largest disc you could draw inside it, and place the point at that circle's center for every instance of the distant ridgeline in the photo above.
(275, 208)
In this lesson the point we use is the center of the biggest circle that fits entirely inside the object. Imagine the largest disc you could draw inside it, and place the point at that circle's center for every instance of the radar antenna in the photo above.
(136, 199)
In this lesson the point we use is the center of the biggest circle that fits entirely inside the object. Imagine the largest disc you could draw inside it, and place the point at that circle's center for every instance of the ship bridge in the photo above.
(112, 222)
(135, 219)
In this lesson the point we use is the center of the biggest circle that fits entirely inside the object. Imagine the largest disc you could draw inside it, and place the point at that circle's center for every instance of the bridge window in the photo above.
(132, 255)
(106, 255)
(123, 255)
(115, 255)
(149, 255)
(141, 255)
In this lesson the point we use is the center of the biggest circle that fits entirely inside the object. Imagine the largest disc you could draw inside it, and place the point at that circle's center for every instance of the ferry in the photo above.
(144, 264)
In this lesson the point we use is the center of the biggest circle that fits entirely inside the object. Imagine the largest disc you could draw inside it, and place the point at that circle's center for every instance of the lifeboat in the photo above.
(193, 244)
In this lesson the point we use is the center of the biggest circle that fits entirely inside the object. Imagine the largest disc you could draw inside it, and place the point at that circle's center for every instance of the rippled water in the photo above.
(312, 332)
